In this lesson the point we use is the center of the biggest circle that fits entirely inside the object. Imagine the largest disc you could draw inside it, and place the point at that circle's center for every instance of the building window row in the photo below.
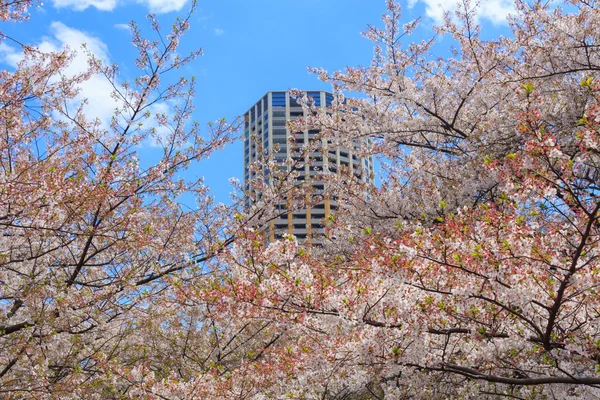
(316, 96)
(278, 99)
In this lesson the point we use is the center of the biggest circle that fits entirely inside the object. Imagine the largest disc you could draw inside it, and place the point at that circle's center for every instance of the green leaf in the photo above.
(528, 87)
(586, 82)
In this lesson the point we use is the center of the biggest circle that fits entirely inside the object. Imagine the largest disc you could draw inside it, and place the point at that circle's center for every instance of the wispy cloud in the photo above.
(163, 6)
(495, 11)
(80, 5)
(97, 90)
(155, 6)
(96, 93)
(219, 32)
(123, 27)
(9, 55)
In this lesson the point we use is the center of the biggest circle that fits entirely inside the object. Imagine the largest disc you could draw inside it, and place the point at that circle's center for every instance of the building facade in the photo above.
(266, 135)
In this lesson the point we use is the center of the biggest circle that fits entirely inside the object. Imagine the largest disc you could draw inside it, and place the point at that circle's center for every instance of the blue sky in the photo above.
(250, 47)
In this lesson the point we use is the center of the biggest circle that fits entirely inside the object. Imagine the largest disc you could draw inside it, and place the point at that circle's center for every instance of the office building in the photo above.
(266, 134)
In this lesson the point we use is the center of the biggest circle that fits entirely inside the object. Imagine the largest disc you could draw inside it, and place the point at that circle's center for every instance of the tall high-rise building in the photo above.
(266, 134)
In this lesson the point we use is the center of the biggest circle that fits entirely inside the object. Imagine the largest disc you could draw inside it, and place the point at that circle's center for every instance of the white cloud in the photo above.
(495, 11)
(163, 6)
(74, 38)
(155, 6)
(219, 32)
(97, 90)
(9, 55)
(124, 27)
(80, 5)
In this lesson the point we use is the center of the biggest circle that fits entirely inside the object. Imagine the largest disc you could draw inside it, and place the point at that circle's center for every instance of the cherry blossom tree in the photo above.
(472, 270)
(94, 244)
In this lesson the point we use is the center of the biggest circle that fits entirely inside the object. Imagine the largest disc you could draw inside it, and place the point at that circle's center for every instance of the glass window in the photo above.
(278, 99)
(316, 96)
(328, 99)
